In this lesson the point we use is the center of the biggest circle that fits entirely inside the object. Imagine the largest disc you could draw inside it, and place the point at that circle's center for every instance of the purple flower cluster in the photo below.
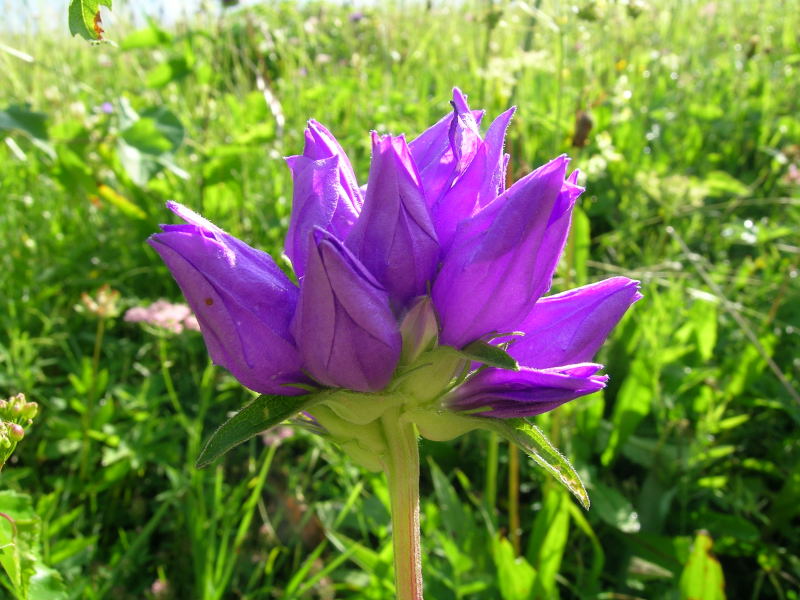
(436, 221)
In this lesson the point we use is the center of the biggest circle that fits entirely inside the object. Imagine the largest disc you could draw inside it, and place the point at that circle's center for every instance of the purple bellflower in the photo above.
(418, 306)
(435, 220)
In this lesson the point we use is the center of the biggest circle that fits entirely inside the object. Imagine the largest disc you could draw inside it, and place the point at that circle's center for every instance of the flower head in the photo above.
(426, 268)
(164, 315)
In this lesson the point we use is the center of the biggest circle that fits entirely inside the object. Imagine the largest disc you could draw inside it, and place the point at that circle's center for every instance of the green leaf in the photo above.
(126, 206)
(614, 508)
(515, 576)
(147, 37)
(82, 15)
(20, 550)
(46, 584)
(702, 577)
(22, 118)
(147, 144)
(145, 136)
(167, 71)
(536, 445)
(704, 319)
(262, 413)
(632, 406)
(454, 519)
(167, 123)
(489, 355)
(548, 542)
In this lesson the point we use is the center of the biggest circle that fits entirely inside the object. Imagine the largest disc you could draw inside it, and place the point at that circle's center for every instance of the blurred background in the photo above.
(683, 117)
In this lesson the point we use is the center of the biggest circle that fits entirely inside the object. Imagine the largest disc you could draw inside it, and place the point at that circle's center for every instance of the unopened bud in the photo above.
(30, 410)
(3, 406)
(15, 432)
(419, 329)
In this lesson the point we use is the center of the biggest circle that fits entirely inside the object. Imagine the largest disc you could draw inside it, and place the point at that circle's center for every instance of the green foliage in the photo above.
(83, 18)
(489, 355)
(693, 112)
(20, 551)
(535, 444)
(702, 576)
(261, 414)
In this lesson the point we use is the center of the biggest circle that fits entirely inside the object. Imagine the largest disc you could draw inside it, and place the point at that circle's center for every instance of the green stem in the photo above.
(490, 489)
(170, 387)
(513, 497)
(401, 465)
(88, 413)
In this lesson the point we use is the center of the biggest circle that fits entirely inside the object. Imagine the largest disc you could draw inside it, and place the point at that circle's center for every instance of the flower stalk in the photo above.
(401, 465)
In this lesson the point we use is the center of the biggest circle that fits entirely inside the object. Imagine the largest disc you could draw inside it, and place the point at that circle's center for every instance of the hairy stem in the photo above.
(401, 465)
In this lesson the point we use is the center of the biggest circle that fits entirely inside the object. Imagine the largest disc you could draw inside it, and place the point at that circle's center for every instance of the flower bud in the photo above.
(507, 251)
(345, 330)
(394, 236)
(15, 432)
(242, 300)
(30, 410)
(419, 329)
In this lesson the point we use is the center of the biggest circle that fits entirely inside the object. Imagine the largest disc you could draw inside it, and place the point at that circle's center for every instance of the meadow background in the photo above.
(683, 116)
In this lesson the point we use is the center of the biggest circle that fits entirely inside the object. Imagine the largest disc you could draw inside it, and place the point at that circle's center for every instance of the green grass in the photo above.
(694, 110)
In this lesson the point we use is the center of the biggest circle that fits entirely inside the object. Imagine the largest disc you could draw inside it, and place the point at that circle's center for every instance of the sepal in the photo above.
(489, 355)
(533, 442)
(264, 412)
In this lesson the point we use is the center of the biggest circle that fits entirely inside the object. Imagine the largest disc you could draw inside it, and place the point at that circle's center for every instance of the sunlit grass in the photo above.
(694, 125)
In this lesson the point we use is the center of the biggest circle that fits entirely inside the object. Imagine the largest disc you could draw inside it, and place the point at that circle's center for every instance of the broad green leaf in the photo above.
(515, 576)
(20, 550)
(614, 508)
(702, 577)
(633, 404)
(84, 18)
(22, 118)
(536, 445)
(262, 413)
(451, 510)
(147, 144)
(9, 551)
(145, 136)
(167, 71)
(46, 584)
(704, 319)
(548, 541)
(167, 123)
(148, 37)
(490, 355)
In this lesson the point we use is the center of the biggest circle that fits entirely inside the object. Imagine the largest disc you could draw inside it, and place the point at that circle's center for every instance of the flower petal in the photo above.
(510, 394)
(346, 332)
(570, 327)
(444, 150)
(320, 143)
(503, 259)
(394, 237)
(243, 301)
(318, 200)
(480, 183)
